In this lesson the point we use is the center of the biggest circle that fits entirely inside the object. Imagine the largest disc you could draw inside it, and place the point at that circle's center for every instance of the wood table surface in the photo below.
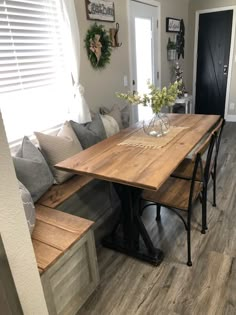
(139, 167)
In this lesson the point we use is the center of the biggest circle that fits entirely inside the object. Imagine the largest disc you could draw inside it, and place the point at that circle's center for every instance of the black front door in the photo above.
(214, 40)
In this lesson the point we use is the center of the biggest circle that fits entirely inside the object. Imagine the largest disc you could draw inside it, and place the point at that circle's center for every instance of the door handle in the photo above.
(225, 69)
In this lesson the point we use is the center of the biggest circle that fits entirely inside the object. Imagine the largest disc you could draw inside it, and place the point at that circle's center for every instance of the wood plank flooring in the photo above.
(132, 287)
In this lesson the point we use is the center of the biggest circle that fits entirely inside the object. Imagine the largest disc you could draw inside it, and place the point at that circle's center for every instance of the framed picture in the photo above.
(172, 25)
(100, 10)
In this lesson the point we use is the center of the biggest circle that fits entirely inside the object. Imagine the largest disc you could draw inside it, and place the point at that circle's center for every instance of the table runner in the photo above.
(141, 139)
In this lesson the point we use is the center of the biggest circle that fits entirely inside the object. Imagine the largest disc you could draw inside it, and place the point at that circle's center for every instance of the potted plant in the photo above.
(156, 99)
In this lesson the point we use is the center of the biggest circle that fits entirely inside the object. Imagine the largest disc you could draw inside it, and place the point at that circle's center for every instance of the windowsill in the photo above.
(15, 145)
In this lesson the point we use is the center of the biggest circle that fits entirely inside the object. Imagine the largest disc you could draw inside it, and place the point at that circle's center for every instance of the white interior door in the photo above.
(144, 50)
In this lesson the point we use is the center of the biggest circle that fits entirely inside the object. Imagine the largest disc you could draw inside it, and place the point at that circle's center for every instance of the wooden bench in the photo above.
(65, 251)
(57, 194)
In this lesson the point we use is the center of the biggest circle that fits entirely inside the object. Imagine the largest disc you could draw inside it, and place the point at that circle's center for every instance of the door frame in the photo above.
(158, 6)
(233, 8)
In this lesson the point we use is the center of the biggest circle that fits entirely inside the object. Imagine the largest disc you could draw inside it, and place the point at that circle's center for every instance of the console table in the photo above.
(186, 101)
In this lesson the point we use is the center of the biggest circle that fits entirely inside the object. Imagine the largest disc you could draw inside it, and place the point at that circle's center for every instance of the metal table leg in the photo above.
(133, 228)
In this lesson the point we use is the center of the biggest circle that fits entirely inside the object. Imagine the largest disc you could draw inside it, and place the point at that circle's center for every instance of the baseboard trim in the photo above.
(231, 118)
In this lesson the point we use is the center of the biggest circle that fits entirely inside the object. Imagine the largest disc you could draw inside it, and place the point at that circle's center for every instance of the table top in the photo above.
(140, 167)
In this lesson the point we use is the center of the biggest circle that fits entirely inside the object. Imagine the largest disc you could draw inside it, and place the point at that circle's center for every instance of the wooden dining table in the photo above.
(134, 167)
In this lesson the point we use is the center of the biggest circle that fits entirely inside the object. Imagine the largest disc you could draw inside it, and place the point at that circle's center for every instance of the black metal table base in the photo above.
(133, 229)
(142, 253)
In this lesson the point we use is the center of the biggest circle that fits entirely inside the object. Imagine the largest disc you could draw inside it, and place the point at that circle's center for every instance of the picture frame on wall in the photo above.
(172, 25)
(99, 10)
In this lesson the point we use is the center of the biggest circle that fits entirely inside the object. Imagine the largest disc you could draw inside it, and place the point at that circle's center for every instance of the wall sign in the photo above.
(172, 25)
(100, 10)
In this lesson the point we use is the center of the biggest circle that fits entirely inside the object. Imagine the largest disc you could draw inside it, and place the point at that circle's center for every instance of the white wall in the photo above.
(16, 237)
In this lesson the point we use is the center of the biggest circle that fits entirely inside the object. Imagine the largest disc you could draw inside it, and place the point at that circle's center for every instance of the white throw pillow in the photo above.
(120, 113)
(58, 148)
(110, 124)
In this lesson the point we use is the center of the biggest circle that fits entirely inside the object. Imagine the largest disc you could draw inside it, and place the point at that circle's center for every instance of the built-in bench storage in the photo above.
(69, 214)
(65, 251)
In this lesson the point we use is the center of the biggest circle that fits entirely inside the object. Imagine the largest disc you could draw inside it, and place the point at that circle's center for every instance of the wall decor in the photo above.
(98, 46)
(172, 25)
(171, 50)
(180, 41)
(100, 10)
(114, 36)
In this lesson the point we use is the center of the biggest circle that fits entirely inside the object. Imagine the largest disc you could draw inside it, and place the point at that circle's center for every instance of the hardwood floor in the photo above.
(132, 287)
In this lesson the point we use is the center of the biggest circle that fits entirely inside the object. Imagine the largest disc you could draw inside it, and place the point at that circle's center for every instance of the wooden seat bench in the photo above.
(65, 251)
(57, 194)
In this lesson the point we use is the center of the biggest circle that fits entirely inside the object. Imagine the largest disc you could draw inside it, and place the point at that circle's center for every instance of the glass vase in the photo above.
(158, 126)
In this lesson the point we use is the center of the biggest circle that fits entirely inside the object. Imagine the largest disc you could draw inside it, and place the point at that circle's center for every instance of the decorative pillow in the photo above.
(122, 116)
(28, 205)
(110, 125)
(32, 169)
(58, 148)
(90, 133)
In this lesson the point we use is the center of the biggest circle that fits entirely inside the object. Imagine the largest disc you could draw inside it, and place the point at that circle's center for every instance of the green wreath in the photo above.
(98, 46)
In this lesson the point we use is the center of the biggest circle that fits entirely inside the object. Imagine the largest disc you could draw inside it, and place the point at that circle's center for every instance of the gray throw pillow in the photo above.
(32, 169)
(90, 133)
(28, 205)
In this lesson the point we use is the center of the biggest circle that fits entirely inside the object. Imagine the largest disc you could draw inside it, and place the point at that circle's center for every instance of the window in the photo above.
(35, 83)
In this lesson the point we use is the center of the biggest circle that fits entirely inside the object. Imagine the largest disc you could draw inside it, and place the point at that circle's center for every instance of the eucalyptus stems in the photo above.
(156, 98)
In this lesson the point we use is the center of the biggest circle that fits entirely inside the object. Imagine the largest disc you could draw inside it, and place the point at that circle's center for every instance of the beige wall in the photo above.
(101, 85)
(176, 9)
(194, 6)
(16, 237)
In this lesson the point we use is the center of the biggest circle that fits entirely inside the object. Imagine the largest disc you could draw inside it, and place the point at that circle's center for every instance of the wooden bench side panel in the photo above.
(73, 278)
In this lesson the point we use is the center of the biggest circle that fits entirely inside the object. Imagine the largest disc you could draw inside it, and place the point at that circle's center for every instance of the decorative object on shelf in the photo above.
(172, 25)
(179, 79)
(180, 41)
(157, 99)
(100, 10)
(114, 36)
(98, 46)
(171, 50)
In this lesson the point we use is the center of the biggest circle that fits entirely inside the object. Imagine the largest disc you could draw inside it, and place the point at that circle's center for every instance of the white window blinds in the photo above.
(31, 44)
(35, 80)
